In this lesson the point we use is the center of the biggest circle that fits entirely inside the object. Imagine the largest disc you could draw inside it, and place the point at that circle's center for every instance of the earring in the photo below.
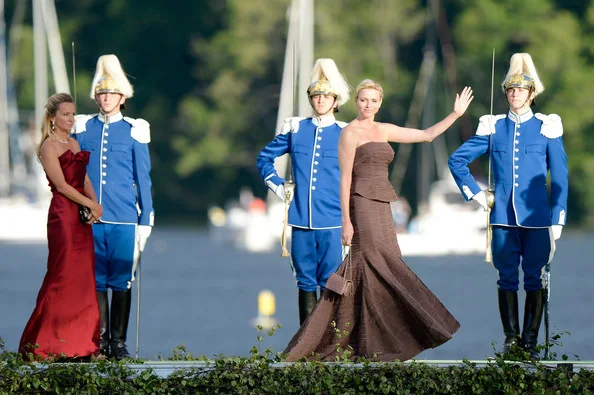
(52, 125)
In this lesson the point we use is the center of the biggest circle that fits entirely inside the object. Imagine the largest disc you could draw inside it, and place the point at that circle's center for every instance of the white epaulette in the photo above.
(342, 124)
(291, 125)
(487, 123)
(141, 130)
(80, 122)
(551, 125)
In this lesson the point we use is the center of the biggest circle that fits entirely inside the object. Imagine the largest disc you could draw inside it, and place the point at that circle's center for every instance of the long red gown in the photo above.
(65, 321)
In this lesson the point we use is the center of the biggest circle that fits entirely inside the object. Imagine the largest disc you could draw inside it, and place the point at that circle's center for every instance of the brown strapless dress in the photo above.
(392, 314)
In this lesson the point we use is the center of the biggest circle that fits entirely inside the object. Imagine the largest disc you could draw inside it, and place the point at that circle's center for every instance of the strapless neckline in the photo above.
(372, 142)
(72, 152)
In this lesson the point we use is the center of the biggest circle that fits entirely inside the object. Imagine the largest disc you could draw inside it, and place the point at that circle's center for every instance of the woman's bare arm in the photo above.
(400, 134)
(347, 146)
(51, 165)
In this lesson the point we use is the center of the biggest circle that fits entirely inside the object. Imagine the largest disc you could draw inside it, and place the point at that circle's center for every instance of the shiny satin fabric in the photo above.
(65, 322)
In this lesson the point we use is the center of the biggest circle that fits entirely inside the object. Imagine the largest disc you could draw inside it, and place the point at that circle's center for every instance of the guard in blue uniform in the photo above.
(119, 168)
(314, 214)
(526, 219)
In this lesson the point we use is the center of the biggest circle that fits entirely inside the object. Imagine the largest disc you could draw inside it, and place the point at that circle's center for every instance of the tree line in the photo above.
(207, 76)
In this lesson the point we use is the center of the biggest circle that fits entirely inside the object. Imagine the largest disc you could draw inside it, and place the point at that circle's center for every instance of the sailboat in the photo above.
(253, 224)
(445, 224)
(24, 191)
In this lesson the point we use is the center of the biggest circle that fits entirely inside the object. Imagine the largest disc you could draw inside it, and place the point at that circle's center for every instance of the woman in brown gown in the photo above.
(391, 314)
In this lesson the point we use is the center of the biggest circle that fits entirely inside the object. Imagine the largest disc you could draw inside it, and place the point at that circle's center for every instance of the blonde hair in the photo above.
(51, 108)
(369, 84)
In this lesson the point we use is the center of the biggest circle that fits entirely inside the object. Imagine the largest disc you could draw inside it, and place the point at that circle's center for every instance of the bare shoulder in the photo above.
(47, 151)
(47, 148)
(348, 129)
(350, 133)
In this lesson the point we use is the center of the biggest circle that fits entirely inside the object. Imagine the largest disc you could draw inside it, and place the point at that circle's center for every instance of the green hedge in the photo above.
(261, 373)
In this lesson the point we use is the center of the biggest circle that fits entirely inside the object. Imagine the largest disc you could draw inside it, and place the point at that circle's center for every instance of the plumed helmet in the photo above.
(110, 78)
(327, 80)
(522, 74)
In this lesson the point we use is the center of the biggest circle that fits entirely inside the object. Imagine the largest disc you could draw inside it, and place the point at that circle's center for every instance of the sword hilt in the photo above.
(490, 198)
(289, 191)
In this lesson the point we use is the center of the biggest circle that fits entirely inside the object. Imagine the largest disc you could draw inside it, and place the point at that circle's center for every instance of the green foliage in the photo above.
(516, 26)
(262, 373)
(207, 74)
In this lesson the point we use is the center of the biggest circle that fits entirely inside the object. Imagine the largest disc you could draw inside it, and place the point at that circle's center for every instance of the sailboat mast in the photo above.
(4, 138)
(425, 158)
(298, 51)
(40, 63)
(305, 54)
(56, 52)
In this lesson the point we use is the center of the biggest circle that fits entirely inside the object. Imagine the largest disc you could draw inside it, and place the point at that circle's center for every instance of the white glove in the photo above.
(280, 192)
(557, 229)
(142, 234)
(481, 198)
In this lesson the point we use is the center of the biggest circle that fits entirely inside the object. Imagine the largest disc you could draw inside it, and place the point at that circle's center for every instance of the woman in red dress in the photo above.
(65, 322)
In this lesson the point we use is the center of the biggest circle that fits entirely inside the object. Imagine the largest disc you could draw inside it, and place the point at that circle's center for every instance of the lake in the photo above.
(203, 294)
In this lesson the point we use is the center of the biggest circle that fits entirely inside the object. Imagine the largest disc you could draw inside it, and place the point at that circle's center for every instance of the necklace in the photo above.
(54, 137)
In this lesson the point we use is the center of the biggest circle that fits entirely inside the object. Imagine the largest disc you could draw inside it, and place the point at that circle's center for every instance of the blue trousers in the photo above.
(114, 256)
(315, 255)
(512, 246)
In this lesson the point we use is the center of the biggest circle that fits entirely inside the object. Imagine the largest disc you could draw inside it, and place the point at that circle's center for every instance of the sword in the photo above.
(490, 188)
(289, 184)
(547, 297)
(138, 268)
(73, 75)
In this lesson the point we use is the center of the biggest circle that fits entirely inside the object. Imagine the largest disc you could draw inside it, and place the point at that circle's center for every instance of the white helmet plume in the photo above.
(110, 77)
(521, 65)
(326, 79)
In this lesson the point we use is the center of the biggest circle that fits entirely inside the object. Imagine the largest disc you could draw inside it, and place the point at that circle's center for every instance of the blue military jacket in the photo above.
(119, 166)
(313, 146)
(524, 149)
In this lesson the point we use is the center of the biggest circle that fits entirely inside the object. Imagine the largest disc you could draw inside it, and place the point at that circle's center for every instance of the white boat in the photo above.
(259, 229)
(251, 229)
(22, 221)
(446, 225)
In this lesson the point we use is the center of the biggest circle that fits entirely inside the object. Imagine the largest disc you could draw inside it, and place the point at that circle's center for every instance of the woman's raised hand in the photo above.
(463, 100)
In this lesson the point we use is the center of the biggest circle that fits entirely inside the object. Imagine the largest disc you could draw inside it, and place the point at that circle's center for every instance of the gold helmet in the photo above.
(519, 80)
(522, 74)
(110, 78)
(327, 80)
(321, 87)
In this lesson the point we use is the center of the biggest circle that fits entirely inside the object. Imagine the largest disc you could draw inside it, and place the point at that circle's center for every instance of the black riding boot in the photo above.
(532, 317)
(103, 323)
(307, 302)
(508, 310)
(120, 314)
